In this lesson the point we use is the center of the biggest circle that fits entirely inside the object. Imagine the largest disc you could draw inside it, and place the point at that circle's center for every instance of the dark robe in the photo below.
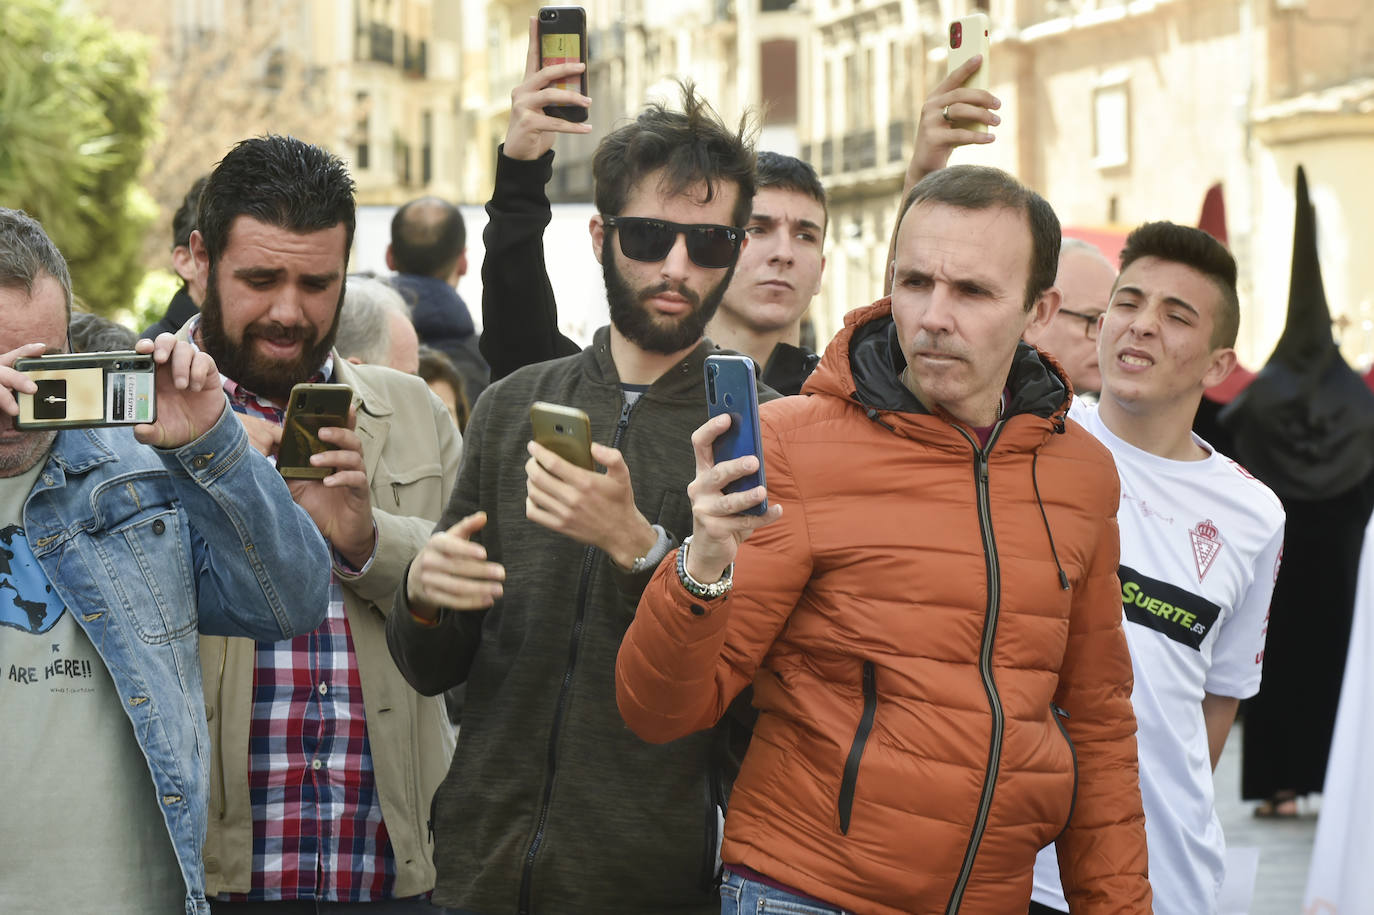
(1305, 427)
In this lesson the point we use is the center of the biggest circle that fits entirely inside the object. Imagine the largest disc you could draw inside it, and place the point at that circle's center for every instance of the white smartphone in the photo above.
(968, 36)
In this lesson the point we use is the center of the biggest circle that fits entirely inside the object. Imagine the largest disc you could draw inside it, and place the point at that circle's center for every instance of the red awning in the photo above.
(1109, 239)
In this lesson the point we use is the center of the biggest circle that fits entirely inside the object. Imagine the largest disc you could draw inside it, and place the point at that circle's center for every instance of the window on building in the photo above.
(426, 148)
(362, 128)
(1111, 124)
(778, 81)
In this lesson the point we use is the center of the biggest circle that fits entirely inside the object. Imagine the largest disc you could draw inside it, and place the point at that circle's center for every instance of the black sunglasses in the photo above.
(708, 245)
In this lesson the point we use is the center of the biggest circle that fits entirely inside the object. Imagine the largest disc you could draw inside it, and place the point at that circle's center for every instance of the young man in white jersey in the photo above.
(1200, 547)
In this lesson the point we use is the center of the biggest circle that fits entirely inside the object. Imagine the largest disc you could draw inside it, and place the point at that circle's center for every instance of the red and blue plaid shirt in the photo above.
(317, 818)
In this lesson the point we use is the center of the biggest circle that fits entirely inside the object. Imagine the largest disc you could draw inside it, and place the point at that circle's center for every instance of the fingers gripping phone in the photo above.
(82, 390)
(731, 389)
(969, 36)
(563, 40)
(311, 408)
(566, 431)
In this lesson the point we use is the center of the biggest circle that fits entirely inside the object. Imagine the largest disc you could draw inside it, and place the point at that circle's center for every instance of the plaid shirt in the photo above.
(317, 819)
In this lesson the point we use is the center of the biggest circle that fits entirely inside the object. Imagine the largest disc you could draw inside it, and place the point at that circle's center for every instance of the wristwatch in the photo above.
(656, 552)
(697, 589)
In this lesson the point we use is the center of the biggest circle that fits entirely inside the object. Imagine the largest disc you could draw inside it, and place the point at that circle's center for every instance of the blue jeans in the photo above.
(739, 896)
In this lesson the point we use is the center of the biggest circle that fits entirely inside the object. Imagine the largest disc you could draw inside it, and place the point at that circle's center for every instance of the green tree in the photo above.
(76, 116)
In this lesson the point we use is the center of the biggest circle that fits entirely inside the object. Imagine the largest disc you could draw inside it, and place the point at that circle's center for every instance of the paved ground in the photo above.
(1284, 846)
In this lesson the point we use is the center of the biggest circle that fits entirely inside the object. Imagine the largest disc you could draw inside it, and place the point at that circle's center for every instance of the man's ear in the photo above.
(1223, 364)
(390, 260)
(462, 269)
(1042, 312)
(184, 263)
(597, 227)
(819, 277)
(201, 256)
(355, 360)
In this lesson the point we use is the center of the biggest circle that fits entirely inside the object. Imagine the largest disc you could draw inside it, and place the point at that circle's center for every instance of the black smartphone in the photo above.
(566, 431)
(563, 40)
(310, 409)
(82, 390)
(730, 388)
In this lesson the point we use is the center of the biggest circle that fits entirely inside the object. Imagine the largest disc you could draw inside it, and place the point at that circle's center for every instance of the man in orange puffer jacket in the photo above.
(929, 611)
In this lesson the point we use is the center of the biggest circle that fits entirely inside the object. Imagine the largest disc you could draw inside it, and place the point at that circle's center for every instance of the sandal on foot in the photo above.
(1282, 806)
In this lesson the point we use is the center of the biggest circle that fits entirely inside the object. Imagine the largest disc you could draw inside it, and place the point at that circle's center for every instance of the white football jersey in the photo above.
(1200, 548)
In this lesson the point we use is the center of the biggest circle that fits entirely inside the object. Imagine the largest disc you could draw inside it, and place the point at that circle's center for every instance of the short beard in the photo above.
(269, 378)
(637, 324)
(33, 449)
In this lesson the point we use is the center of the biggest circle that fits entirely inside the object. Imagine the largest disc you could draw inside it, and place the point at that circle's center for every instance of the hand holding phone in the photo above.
(532, 128)
(563, 40)
(86, 390)
(731, 390)
(968, 38)
(311, 408)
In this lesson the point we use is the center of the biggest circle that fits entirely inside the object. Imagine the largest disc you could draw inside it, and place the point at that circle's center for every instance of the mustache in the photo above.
(280, 333)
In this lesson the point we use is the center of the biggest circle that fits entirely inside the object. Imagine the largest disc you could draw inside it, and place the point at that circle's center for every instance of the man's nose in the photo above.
(678, 264)
(938, 314)
(783, 252)
(288, 307)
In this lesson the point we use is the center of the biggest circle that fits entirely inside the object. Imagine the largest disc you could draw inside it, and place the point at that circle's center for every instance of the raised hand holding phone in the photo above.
(531, 131)
(723, 519)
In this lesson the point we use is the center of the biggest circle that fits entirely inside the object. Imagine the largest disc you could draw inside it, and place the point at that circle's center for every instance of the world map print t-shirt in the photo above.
(83, 829)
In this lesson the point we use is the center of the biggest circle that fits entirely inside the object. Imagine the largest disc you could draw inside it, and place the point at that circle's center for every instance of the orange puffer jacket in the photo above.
(933, 631)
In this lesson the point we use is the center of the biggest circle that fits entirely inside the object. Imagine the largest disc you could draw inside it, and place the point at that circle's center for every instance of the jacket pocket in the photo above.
(1059, 715)
(410, 490)
(136, 516)
(856, 750)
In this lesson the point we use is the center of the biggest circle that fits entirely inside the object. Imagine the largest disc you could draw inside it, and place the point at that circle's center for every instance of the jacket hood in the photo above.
(864, 363)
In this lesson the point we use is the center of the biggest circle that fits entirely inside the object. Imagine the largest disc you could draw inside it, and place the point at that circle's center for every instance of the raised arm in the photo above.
(519, 312)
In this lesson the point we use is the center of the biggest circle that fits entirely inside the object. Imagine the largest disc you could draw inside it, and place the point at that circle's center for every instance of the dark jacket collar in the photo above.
(683, 380)
(864, 362)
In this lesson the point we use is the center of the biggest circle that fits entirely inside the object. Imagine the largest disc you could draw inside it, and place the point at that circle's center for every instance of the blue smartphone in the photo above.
(730, 388)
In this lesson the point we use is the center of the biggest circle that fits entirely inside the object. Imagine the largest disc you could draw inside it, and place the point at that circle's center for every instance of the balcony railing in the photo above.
(382, 43)
(416, 54)
(860, 149)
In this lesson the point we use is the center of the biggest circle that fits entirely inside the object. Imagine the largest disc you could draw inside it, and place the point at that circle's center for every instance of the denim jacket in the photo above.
(147, 547)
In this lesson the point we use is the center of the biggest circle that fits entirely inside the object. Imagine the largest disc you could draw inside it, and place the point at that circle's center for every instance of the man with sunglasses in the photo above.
(551, 805)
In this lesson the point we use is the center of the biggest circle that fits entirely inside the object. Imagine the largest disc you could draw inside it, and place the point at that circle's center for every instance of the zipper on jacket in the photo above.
(551, 764)
(990, 616)
(856, 750)
(1059, 717)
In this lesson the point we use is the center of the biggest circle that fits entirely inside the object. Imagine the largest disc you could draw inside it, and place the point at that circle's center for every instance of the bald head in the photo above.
(428, 238)
(1085, 279)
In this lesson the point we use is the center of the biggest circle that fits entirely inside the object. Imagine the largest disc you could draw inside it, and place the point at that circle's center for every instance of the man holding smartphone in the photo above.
(116, 546)
(323, 759)
(551, 805)
(928, 612)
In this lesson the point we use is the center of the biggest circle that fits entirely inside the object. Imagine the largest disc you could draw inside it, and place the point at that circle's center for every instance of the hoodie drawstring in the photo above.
(1035, 485)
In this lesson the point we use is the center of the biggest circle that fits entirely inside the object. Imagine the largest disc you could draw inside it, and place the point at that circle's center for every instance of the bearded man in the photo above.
(551, 804)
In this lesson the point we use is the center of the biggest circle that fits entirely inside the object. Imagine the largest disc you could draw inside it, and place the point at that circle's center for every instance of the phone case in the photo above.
(563, 39)
(84, 390)
(730, 388)
(972, 39)
(311, 408)
(566, 431)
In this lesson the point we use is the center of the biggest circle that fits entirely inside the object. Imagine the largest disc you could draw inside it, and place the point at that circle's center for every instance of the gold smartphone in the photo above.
(81, 390)
(566, 431)
(968, 36)
(310, 409)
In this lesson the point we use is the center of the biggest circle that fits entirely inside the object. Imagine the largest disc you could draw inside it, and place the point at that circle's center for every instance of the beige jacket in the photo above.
(411, 450)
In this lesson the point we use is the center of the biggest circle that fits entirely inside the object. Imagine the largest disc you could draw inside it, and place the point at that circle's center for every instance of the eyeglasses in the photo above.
(708, 245)
(1089, 321)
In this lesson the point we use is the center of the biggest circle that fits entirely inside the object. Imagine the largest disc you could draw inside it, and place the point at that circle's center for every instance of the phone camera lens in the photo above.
(956, 34)
(547, 15)
(729, 400)
(118, 366)
(560, 430)
(300, 403)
